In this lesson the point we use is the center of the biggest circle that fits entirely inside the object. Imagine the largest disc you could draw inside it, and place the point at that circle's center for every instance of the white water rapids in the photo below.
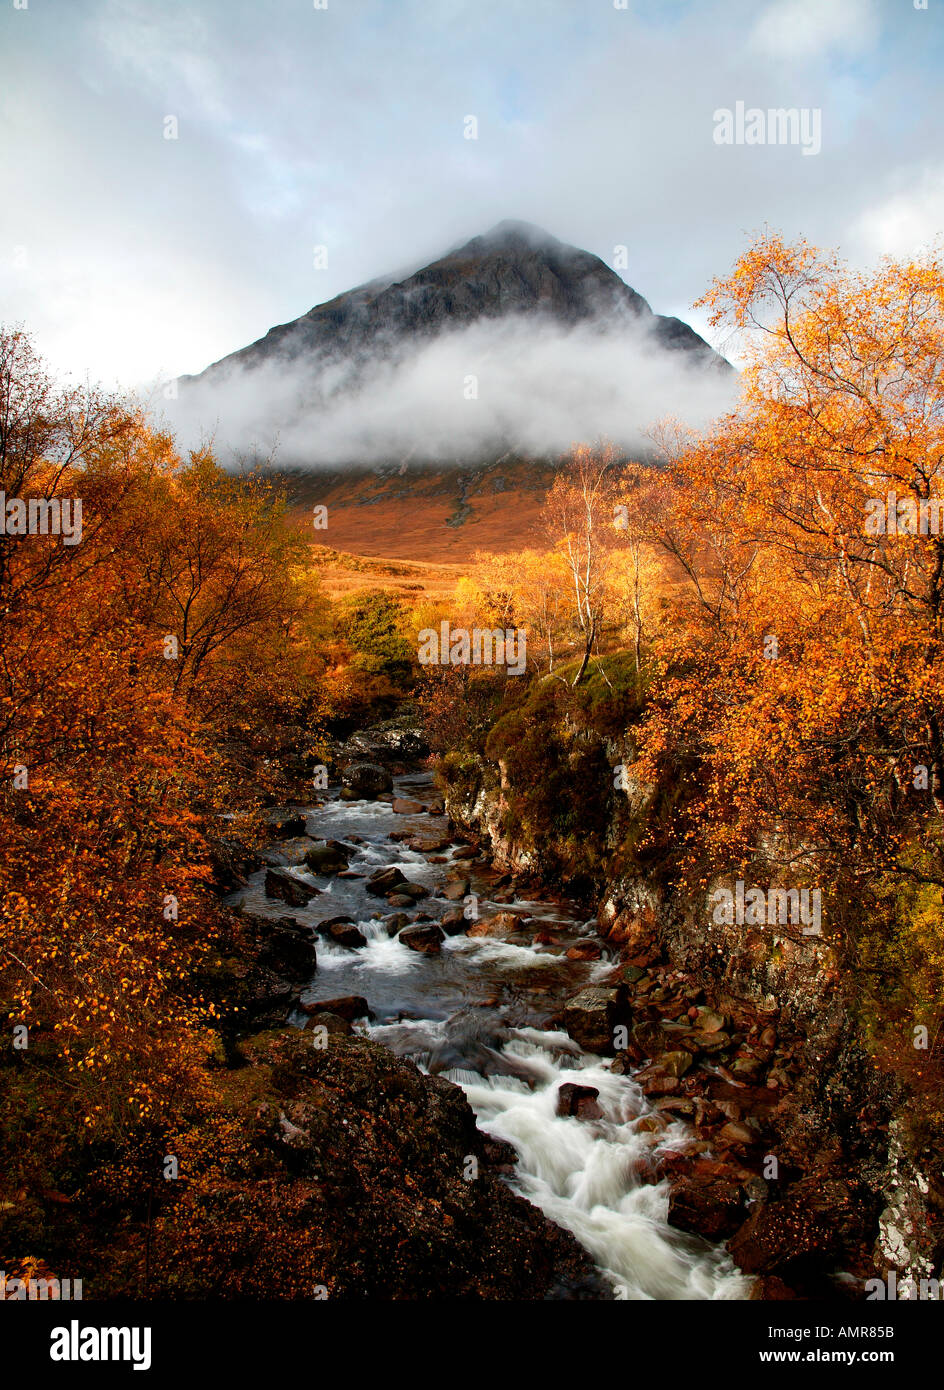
(478, 1015)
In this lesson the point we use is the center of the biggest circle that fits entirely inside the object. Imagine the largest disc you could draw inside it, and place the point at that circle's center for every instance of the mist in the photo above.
(467, 394)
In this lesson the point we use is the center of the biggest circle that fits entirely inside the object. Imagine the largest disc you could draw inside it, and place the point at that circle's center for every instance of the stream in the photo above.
(478, 1014)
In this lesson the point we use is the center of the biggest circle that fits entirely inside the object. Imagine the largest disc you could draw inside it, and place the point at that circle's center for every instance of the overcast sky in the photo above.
(133, 256)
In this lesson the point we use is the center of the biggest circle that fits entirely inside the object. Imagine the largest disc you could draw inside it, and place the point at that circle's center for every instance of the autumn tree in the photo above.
(802, 672)
(579, 518)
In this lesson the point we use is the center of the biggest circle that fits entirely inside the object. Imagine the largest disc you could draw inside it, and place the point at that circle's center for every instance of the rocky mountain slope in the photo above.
(515, 268)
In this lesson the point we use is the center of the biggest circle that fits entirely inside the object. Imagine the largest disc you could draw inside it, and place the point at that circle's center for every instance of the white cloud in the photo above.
(906, 222)
(538, 388)
(809, 28)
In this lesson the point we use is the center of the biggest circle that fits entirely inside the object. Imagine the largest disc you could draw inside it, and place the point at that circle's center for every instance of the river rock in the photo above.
(736, 1133)
(713, 1208)
(426, 938)
(675, 1063)
(627, 1061)
(501, 924)
(403, 806)
(592, 1016)
(585, 949)
(709, 1042)
(399, 899)
(364, 782)
(346, 934)
(656, 1081)
(332, 1023)
(325, 859)
(580, 1102)
(777, 1233)
(413, 890)
(652, 1124)
(396, 922)
(456, 890)
(454, 921)
(349, 1006)
(707, 1021)
(285, 947)
(281, 884)
(384, 881)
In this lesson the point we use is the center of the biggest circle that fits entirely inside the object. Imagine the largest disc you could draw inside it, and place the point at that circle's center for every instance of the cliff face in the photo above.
(838, 1127)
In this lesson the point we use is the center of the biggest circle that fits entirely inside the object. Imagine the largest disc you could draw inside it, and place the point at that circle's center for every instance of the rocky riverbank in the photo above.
(761, 1119)
(795, 1159)
(377, 1169)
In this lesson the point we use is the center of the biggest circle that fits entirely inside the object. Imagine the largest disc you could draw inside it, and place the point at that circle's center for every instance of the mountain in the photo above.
(430, 410)
(515, 269)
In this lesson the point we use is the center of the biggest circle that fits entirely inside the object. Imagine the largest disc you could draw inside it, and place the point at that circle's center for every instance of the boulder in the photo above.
(713, 1208)
(378, 1192)
(386, 745)
(585, 949)
(364, 782)
(325, 925)
(501, 924)
(325, 859)
(777, 1233)
(456, 890)
(405, 807)
(286, 947)
(592, 1016)
(281, 884)
(454, 921)
(413, 890)
(384, 881)
(675, 1063)
(396, 922)
(427, 938)
(332, 1023)
(580, 1102)
(425, 844)
(399, 899)
(346, 934)
(349, 1006)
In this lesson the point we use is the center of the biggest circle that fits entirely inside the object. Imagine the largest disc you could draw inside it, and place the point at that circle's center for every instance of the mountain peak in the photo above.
(513, 282)
(514, 233)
